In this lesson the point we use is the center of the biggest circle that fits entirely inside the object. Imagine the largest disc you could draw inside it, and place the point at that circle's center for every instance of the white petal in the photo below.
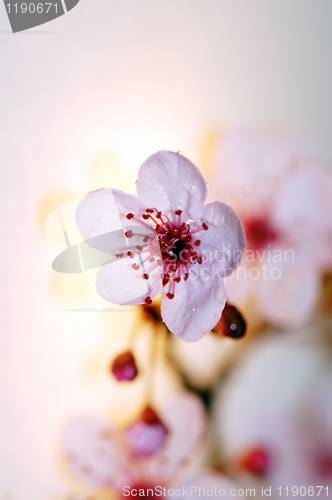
(94, 454)
(196, 307)
(120, 283)
(169, 181)
(184, 417)
(101, 218)
(224, 241)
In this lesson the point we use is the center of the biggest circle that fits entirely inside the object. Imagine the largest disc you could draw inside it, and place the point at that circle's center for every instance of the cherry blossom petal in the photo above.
(224, 241)
(207, 483)
(121, 283)
(184, 417)
(101, 218)
(169, 181)
(289, 294)
(94, 455)
(196, 307)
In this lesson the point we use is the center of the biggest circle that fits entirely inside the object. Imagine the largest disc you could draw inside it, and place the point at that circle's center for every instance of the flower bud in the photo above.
(231, 323)
(124, 367)
(145, 436)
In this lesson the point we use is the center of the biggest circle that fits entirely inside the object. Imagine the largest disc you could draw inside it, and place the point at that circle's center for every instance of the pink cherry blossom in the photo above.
(283, 195)
(165, 240)
(100, 456)
(274, 414)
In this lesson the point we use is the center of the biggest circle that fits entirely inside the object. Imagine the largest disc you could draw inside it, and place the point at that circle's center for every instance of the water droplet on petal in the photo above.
(161, 188)
(193, 187)
(193, 309)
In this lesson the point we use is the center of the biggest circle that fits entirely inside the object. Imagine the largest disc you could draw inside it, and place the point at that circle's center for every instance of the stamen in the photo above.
(145, 276)
(129, 233)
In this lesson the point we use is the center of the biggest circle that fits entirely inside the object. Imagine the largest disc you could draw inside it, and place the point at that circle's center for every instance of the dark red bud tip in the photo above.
(231, 323)
(124, 367)
(256, 461)
(149, 416)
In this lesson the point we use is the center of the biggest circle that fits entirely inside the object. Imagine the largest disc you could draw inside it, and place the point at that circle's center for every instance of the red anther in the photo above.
(158, 215)
(145, 276)
(159, 262)
(118, 255)
(197, 243)
(146, 216)
(186, 276)
(152, 259)
(148, 301)
(129, 233)
(177, 280)
(170, 295)
(129, 253)
(256, 461)
(135, 266)
(146, 239)
(124, 367)
(149, 210)
(205, 226)
(166, 279)
(231, 323)
(130, 216)
(139, 247)
(199, 259)
(178, 212)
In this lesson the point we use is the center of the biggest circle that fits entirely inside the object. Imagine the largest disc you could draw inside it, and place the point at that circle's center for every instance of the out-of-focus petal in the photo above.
(94, 455)
(224, 241)
(101, 218)
(121, 283)
(210, 484)
(256, 403)
(196, 307)
(169, 181)
(289, 294)
(184, 417)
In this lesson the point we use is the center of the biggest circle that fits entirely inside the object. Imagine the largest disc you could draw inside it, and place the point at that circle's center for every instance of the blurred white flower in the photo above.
(283, 195)
(273, 416)
(105, 458)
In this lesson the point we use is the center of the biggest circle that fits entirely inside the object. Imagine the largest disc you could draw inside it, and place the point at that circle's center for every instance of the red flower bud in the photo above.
(231, 323)
(124, 367)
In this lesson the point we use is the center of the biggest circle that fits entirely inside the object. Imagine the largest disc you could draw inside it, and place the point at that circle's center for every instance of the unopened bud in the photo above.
(124, 367)
(145, 436)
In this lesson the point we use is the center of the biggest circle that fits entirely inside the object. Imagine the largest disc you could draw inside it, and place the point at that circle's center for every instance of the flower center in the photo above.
(259, 233)
(173, 241)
